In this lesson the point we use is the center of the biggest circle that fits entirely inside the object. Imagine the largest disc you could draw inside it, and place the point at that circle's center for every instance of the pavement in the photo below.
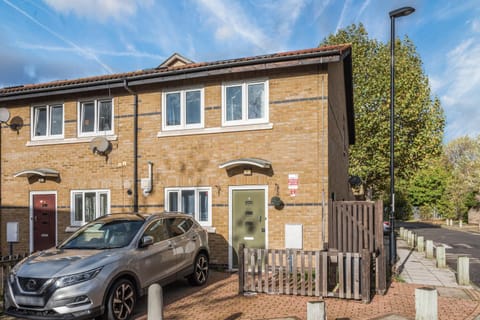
(219, 299)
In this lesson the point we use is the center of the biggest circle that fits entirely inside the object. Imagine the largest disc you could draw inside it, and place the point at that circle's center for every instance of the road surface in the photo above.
(457, 243)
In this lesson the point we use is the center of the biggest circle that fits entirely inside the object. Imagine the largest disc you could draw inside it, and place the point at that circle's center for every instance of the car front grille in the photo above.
(31, 285)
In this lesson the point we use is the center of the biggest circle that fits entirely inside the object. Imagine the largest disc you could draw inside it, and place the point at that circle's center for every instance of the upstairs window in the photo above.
(47, 121)
(182, 109)
(96, 117)
(245, 103)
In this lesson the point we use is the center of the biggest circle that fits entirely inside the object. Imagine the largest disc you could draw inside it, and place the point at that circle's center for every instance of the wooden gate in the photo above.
(306, 273)
(354, 226)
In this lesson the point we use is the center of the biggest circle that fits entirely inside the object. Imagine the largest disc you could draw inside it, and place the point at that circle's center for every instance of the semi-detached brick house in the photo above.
(254, 148)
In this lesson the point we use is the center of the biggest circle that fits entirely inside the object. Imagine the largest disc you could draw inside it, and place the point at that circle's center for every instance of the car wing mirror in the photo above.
(146, 241)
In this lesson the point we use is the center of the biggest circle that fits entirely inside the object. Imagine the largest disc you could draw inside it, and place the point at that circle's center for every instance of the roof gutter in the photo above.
(325, 57)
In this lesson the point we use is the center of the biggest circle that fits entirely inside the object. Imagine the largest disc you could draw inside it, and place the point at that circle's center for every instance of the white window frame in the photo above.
(95, 132)
(183, 110)
(197, 191)
(245, 120)
(97, 192)
(48, 134)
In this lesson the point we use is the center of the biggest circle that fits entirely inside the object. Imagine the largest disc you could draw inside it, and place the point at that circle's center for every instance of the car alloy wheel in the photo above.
(200, 270)
(121, 300)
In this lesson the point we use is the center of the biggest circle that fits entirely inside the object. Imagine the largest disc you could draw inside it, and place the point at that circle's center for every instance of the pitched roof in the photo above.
(177, 67)
(167, 68)
(175, 60)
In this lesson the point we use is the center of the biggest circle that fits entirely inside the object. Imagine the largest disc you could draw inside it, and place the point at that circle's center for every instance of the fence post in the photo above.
(241, 268)
(155, 302)
(463, 266)
(316, 310)
(381, 259)
(420, 244)
(441, 260)
(402, 229)
(366, 274)
(429, 249)
(426, 306)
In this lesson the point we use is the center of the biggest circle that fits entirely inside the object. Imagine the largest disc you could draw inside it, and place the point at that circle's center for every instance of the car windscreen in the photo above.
(103, 235)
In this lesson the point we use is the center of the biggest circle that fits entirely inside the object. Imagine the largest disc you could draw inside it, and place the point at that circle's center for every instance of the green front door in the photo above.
(248, 220)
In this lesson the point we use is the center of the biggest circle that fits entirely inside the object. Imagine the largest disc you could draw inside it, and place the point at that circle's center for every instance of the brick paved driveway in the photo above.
(220, 300)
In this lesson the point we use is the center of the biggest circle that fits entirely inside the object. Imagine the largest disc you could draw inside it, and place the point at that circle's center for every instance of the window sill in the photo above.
(71, 229)
(189, 132)
(47, 142)
(210, 229)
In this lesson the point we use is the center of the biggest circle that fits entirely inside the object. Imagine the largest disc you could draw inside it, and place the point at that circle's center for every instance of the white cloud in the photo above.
(98, 10)
(131, 51)
(79, 50)
(475, 25)
(284, 16)
(342, 15)
(232, 21)
(459, 90)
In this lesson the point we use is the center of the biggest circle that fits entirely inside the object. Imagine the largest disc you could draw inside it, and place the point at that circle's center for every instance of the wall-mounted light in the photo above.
(277, 203)
(247, 171)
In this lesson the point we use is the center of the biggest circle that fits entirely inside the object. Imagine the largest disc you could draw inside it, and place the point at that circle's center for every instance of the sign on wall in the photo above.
(293, 184)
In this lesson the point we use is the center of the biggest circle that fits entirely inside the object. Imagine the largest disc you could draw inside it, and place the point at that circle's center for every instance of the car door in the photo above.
(157, 261)
(184, 240)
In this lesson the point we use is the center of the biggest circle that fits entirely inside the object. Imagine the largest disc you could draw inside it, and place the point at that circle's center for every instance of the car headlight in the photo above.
(11, 277)
(72, 279)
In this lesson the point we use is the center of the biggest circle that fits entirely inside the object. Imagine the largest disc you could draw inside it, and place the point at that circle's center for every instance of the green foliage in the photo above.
(427, 189)
(419, 119)
(462, 158)
(471, 200)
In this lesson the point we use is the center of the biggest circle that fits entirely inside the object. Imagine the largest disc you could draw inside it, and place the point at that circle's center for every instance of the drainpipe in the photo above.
(135, 145)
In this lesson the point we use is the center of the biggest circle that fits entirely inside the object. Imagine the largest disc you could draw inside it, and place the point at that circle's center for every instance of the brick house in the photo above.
(253, 147)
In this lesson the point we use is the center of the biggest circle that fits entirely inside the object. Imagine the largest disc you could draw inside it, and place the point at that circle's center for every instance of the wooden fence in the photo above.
(308, 273)
(357, 225)
(6, 264)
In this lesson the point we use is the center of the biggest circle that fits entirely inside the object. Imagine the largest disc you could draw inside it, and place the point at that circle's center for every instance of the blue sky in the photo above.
(45, 40)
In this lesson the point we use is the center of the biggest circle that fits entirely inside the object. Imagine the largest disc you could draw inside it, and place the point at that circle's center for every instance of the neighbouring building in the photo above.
(254, 148)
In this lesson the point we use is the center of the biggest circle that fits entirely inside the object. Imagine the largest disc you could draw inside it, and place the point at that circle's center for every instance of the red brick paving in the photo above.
(220, 300)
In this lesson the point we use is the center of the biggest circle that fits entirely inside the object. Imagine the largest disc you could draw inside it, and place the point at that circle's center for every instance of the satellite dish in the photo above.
(16, 123)
(100, 145)
(4, 115)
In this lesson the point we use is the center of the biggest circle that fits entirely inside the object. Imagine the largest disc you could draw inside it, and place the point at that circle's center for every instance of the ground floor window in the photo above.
(193, 201)
(87, 205)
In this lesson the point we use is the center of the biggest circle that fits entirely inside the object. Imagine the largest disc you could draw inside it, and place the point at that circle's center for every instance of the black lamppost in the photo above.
(404, 11)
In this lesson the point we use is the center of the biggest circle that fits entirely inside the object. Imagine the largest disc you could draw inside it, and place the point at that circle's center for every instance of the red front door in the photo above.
(44, 222)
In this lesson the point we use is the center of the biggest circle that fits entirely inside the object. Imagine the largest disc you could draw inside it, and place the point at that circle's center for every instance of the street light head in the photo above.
(401, 12)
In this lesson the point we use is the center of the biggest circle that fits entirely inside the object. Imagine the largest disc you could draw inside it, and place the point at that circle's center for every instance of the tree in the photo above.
(462, 157)
(427, 190)
(419, 119)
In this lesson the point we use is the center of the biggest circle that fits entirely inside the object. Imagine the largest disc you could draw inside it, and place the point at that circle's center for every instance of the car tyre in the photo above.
(121, 301)
(200, 270)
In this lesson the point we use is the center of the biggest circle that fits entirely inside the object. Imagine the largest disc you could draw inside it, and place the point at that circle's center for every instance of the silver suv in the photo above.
(106, 265)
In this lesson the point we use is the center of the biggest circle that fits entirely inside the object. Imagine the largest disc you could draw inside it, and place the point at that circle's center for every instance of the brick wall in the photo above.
(298, 143)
